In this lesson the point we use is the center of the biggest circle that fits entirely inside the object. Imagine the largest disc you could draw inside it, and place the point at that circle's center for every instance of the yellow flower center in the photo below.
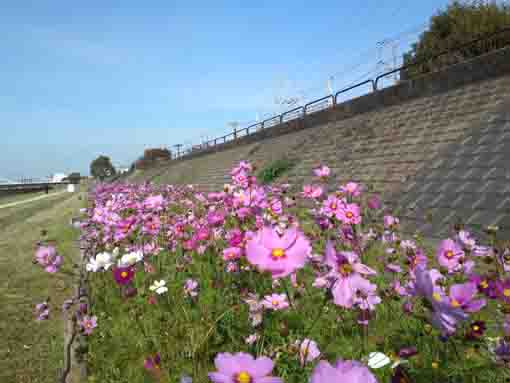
(345, 269)
(124, 274)
(455, 303)
(476, 328)
(435, 365)
(506, 292)
(349, 214)
(449, 254)
(484, 284)
(333, 206)
(243, 377)
(436, 296)
(274, 303)
(278, 253)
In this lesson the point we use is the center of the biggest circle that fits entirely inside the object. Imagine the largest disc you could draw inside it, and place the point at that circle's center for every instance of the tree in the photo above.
(102, 167)
(460, 23)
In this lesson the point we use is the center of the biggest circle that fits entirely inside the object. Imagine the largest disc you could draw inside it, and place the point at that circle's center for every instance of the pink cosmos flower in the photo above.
(190, 287)
(346, 270)
(232, 253)
(349, 214)
(351, 188)
(311, 191)
(331, 205)
(155, 202)
(343, 371)
(449, 254)
(390, 221)
(88, 323)
(280, 255)
(242, 368)
(151, 224)
(47, 257)
(462, 295)
(275, 302)
(322, 171)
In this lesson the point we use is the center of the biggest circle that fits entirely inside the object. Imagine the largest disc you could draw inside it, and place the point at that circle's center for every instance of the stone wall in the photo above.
(436, 146)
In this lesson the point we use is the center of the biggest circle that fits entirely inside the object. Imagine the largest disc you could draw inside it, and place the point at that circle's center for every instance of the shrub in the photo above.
(274, 170)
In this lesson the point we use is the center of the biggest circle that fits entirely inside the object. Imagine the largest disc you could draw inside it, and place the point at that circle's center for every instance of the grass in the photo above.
(18, 197)
(189, 333)
(32, 351)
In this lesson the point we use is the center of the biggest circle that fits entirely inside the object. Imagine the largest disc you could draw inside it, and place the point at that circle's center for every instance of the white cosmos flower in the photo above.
(378, 360)
(131, 258)
(159, 287)
(101, 261)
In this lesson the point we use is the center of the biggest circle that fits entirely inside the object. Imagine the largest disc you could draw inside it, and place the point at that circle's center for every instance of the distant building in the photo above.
(58, 177)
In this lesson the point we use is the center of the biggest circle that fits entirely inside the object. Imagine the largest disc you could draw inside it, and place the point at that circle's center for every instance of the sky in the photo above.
(81, 79)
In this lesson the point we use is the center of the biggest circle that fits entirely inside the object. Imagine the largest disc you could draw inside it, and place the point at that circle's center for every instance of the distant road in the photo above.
(12, 204)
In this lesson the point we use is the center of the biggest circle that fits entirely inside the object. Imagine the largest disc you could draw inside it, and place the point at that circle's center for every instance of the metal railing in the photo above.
(452, 55)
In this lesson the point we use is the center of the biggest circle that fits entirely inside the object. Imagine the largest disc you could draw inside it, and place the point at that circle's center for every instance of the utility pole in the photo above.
(178, 146)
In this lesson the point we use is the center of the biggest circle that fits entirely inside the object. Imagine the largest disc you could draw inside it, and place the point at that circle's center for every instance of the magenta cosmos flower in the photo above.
(47, 257)
(242, 368)
(123, 275)
(449, 254)
(280, 255)
(343, 371)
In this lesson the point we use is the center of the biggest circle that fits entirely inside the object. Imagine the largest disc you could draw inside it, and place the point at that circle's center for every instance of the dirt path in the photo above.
(12, 204)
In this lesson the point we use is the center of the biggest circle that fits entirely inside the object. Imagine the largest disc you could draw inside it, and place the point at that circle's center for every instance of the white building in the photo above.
(58, 177)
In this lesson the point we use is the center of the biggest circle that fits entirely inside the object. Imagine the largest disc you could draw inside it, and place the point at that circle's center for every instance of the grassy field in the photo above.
(5, 199)
(32, 351)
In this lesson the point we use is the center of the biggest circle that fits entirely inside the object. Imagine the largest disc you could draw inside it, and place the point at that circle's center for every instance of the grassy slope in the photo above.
(32, 351)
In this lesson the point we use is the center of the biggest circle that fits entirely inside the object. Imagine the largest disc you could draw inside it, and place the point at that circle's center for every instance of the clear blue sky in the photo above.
(79, 79)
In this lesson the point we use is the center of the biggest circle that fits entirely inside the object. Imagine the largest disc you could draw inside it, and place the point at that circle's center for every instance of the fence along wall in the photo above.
(437, 145)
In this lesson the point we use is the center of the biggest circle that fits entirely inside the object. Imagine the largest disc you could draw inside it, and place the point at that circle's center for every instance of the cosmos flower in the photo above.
(280, 255)
(47, 257)
(88, 324)
(242, 368)
(123, 275)
(275, 302)
(159, 287)
(342, 371)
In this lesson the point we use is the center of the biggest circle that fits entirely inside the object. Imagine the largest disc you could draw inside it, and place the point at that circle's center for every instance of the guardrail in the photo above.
(475, 47)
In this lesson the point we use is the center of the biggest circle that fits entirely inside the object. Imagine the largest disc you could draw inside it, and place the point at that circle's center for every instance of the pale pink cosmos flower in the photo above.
(275, 302)
(322, 171)
(252, 338)
(331, 205)
(47, 257)
(365, 296)
(348, 371)
(280, 255)
(88, 324)
(312, 191)
(449, 253)
(390, 221)
(308, 350)
(155, 202)
(190, 287)
(242, 368)
(351, 188)
(346, 269)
